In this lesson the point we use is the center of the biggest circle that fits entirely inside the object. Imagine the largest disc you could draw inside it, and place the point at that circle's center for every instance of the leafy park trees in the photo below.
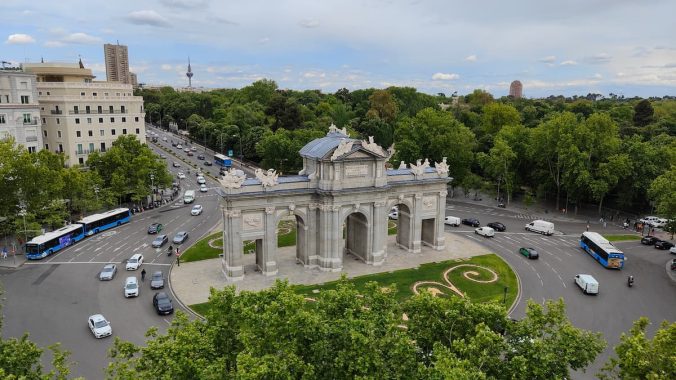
(344, 333)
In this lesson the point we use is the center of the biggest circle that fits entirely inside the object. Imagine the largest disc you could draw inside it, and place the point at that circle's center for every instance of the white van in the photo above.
(452, 221)
(189, 196)
(587, 283)
(541, 226)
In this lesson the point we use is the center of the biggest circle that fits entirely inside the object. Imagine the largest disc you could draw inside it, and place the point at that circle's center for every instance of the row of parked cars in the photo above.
(654, 221)
(659, 243)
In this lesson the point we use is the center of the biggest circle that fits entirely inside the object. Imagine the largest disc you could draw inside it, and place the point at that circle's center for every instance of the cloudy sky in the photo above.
(554, 47)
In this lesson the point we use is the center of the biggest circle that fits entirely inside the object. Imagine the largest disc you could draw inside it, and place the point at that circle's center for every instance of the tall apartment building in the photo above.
(516, 89)
(81, 116)
(19, 109)
(117, 64)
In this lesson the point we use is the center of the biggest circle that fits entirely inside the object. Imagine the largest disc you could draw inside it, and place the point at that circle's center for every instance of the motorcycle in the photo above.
(630, 281)
(170, 251)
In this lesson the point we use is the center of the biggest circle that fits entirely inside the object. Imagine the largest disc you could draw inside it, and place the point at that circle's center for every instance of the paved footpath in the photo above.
(191, 281)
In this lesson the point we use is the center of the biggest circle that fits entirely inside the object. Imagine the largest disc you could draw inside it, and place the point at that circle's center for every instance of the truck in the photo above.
(189, 196)
(541, 226)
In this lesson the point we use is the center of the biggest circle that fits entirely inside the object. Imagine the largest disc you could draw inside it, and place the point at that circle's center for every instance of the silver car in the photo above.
(108, 272)
(157, 280)
(180, 237)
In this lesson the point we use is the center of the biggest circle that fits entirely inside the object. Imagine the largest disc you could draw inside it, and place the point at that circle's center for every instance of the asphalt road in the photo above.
(551, 276)
(52, 298)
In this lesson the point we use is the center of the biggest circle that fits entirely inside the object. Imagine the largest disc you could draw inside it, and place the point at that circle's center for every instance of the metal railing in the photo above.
(56, 112)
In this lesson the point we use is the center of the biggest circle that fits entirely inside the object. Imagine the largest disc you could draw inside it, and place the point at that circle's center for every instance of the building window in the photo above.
(103, 147)
(48, 93)
(6, 98)
(27, 118)
(138, 131)
(105, 94)
(90, 133)
(79, 148)
(40, 93)
(24, 99)
(124, 131)
(87, 109)
(124, 119)
(76, 110)
(122, 109)
(117, 94)
(31, 149)
(89, 120)
(91, 147)
(111, 109)
(101, 132)
(58, 121)
(100, 120)
(82, 94)
(80, 160)
(2, 119)
(60, 148)
(78, 134)
(136, 119)
(100, 109)
(44, 121)
(46, 146)
(58, 134)
(112, 119)
(93, 94)
(77, 120)
(112, 131)
(45, 133)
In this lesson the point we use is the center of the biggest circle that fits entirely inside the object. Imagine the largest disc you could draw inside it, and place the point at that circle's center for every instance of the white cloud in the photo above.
(166, 67)
(548, 59)
(471, 58)
(598, 58)
(54, 44)
(263, 40)
(568, 63)
(20, 38)
(148, 17)
(445, 76)
(598, 76)
(314, 74)
(308, 23)
(185, 4)
(81, 38)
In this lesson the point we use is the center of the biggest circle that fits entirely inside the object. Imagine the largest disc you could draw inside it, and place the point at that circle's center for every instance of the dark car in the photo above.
(180, 237)
(157, 280)
(173, 143)
(471, 222)
(155, 228)
(160, 240)
(663, 244)
(207, 163)
(531, 253)
(162, 303)
(200, 156)
(649, 240)
(497, 226)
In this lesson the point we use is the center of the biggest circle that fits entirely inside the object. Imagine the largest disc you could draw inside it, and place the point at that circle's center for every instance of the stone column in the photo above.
(233, 268)
(417, 223)
(440, 236)
(269, 260)
(312, 235)
(330, 239)
(379, 230)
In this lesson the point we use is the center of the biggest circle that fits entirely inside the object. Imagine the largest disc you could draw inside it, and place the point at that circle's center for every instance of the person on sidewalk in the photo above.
(4, 252)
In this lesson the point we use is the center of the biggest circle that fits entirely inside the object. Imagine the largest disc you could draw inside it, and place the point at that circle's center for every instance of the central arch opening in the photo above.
(401, 215)
(356, 235)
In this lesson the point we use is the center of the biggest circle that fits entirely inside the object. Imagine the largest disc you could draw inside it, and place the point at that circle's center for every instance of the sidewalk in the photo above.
(191, 281)
(12, 261)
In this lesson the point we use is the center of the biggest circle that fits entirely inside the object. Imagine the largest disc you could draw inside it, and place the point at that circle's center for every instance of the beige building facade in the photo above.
(80, 116)
(19, 109)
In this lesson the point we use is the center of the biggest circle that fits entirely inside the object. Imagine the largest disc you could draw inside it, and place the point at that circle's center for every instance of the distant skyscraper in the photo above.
(117, 63)
(516, 89)
(189, 74)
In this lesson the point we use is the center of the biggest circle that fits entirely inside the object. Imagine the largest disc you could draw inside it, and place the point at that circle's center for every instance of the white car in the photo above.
(201, 180)
(203, 188)
(660, 223)
(394, 215)
(100, 326)
(649, 220)
(180, 175)
(672, 250)
(485, 231)
(196, 210)
(131, 287)
(194, 148)
(134, 262)
(165, 138)
(452, 221)
(179, 146)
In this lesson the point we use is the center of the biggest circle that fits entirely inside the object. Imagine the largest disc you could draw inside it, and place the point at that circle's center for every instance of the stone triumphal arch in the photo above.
(340, 201)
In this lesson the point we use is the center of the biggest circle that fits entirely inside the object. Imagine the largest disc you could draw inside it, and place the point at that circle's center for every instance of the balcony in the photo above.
(56, 112)
(31, 138)
(34, 121)
(85, 151)
(96, 112)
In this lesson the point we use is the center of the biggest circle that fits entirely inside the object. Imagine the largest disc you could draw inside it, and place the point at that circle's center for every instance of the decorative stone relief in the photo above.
(356, 206)
(342, 149)
(390, 152)
(429, 202)
(231, 180)
(401, 198)
(293, 207)
(233, 213)
(418, 169)
(442, 167)
(252, 222)
(268, 179)
(371, 146)
(356, 170)
(333, 128)
(402, 165)
(379, 204)
(269, 210)
(443, 193)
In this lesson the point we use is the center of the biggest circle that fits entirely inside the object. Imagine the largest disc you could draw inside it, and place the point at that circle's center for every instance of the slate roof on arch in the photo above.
(319, 148)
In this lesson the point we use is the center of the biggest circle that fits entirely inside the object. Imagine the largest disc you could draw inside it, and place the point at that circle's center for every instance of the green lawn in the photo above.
(404, 280)
(201, 250)
(622, 237)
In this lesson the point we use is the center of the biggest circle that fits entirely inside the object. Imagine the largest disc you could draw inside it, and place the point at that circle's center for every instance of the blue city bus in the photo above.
(44, 245)
(93, 224)
(602, 250)
(222, 160)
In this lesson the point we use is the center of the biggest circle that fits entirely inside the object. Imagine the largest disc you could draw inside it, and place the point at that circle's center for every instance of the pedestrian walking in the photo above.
(604, 224)
(178, 259)
(143, 274)
(587, 227)
(4, 252)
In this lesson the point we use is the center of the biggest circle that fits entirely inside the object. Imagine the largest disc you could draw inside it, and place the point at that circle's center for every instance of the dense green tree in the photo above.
(643, 113)
(638, 357)
(382, 105)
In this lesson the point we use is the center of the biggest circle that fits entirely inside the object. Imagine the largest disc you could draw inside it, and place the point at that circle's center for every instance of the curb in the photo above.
(517, 300)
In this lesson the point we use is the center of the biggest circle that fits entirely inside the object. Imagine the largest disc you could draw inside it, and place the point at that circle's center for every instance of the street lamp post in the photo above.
(23, 214)
(504, 298)
(241, 155)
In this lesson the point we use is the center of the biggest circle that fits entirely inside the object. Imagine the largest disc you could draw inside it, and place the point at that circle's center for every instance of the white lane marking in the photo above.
(81, 262)
(165, 319)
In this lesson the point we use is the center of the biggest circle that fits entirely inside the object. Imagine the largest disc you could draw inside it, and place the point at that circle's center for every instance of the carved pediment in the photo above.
(357, 154)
